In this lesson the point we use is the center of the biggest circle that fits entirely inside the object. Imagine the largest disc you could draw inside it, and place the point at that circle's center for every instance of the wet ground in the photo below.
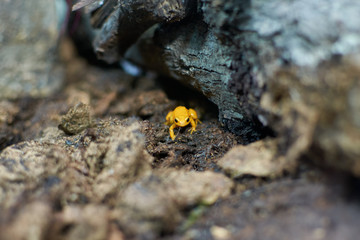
(125, 169)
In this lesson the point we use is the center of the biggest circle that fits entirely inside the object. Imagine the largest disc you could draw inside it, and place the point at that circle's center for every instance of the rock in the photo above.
(29, 164)
(77, 119)
(92, 165)
(118, 160)
(29, 35)
(8, 113)
(76, 222)
(220, 233)
(319, 113)
(190, 188)
(144, 209)
(163, 195)
(30, 222)
(8, 110)
(288, 208)
(257, 159)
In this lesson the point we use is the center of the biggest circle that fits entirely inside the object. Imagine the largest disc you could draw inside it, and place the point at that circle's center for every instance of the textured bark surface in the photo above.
(122, 23)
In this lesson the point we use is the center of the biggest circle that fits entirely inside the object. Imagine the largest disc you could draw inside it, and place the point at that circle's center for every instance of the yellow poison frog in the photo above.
(181, 117)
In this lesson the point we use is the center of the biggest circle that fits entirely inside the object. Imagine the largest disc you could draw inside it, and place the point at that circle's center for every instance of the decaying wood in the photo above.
(121, 23)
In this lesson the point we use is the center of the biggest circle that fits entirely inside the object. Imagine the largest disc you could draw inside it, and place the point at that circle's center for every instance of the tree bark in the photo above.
(123, 22)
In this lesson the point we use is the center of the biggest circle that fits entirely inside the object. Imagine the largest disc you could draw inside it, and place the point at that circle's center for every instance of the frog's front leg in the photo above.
(193, 126)
(170, 118)
(193, 120)
(171, 131)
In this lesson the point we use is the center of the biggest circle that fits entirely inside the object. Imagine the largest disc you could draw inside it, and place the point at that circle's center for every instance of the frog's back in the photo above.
(181, 111)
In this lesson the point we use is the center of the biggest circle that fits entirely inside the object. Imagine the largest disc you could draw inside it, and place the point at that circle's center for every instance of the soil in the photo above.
(173, 190)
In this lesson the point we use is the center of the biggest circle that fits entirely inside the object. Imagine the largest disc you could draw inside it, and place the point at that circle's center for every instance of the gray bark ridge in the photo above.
(127, 20)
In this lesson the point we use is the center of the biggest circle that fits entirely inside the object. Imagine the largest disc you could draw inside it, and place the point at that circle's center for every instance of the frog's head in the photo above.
(182, 120)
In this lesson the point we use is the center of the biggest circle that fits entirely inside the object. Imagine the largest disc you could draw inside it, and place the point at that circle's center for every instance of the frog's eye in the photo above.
(187, 119)
(176, 120)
